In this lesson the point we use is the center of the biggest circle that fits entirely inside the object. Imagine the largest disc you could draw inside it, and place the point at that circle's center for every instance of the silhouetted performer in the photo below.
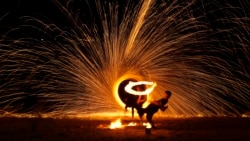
(154, 106)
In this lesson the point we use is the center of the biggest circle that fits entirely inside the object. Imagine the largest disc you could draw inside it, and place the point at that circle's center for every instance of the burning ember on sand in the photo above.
(117, 124)
(148, 125)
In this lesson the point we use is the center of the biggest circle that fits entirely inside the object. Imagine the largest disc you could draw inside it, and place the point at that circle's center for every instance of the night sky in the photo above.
(12, 10)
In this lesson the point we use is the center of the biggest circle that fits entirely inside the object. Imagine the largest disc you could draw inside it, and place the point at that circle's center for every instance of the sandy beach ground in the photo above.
(171, 129)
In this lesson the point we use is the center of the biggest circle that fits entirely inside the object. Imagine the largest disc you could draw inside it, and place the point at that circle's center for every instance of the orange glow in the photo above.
(116, 124)
(132, 124)
(135, 124)
(118, 82)
(148, 125)
(131, 84)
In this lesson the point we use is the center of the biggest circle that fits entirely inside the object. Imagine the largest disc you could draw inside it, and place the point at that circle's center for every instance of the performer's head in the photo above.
(167, 94)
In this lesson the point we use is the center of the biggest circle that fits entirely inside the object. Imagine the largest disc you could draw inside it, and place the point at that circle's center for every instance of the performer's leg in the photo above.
(150, 118)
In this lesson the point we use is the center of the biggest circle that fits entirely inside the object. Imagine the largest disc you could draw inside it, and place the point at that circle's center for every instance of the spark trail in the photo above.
(199, 51)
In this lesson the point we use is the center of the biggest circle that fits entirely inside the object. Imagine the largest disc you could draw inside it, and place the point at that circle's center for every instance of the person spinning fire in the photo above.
(154, 106)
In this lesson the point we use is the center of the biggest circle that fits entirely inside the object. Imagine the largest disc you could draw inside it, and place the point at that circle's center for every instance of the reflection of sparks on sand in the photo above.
(117, 124)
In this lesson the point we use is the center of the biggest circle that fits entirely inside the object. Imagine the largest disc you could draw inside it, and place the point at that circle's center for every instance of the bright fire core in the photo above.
(132, 84)
(149, 87)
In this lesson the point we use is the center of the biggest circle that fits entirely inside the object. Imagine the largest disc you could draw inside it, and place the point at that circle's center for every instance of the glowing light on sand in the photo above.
(132, 124)
(148, 125)
(116, 124)
(136, 124)
(132, 84)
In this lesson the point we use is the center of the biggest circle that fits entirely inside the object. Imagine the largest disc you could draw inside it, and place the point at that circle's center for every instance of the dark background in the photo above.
(12, 11)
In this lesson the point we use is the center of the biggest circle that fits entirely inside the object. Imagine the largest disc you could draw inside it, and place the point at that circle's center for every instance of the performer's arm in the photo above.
(157, 103)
